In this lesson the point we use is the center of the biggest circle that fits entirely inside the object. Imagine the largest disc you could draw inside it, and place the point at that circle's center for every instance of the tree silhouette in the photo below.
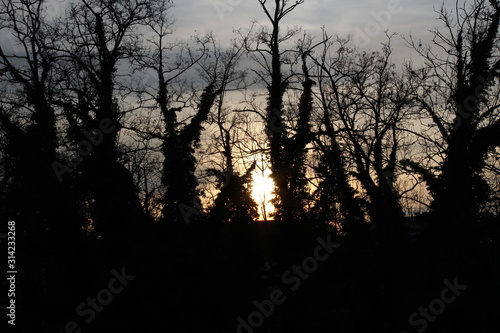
(31, 145)
(234, 203)
(268, 47)
(97, 37)
(336, 196)
(462, 107)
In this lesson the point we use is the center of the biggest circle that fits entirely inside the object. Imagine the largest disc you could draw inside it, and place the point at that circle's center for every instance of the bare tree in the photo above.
(99, 36)
(174, 98)
(266, 49)
(336, 197)
(234, 202)
(30, 82)
(456, 90)
(367, 102)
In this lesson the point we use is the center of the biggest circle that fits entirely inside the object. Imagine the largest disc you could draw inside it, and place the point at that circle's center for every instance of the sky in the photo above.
(365, 20)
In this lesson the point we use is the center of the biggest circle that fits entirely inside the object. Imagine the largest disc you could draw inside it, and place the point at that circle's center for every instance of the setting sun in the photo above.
(262, 192)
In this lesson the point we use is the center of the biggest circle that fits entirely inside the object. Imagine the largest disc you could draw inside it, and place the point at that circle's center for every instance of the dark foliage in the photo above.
(341, 252)
(234, 203)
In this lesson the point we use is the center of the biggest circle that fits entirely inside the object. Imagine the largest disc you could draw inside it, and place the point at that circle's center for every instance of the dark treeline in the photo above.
(125, 148)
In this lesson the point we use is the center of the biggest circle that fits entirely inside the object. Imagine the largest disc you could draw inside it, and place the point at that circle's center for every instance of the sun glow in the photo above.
(262, 192)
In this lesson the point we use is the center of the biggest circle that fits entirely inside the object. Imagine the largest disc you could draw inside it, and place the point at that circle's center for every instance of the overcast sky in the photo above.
(366, 20)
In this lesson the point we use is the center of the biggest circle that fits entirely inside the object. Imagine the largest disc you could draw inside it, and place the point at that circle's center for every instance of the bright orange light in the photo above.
(262, 192)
